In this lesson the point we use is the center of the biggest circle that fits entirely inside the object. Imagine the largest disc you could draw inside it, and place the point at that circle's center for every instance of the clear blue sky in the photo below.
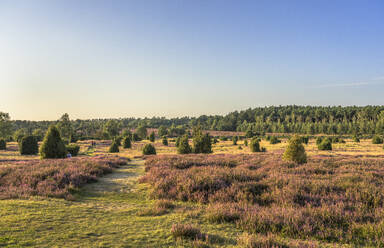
(174, 58)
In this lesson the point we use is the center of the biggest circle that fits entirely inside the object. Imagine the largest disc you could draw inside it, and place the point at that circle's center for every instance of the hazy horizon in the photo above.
(115, 59)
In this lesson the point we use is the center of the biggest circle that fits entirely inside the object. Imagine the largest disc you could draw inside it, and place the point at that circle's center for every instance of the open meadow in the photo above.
(230, 198)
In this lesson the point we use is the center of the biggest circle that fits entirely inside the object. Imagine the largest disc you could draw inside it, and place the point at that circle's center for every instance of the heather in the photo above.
(53, 177)
(327, 199)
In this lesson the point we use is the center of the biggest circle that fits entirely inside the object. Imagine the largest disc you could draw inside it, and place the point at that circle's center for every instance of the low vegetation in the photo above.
(325, 145)
(327, 200)
(149, 149)
(3, 144)
(28, 145)
(295, 151)
(114, 147)
(73, 149)
(53, 146)
(54, 178)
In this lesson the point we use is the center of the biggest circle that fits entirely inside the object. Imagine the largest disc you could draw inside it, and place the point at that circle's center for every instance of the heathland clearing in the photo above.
(231, 198)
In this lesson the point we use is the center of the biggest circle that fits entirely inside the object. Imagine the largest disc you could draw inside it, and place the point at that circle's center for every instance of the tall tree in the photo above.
(65, 128)
(5, 125)
(112, 127)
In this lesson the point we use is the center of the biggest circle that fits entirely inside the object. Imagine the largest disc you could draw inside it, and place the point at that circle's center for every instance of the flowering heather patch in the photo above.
(328, 199)
(187, 231)
(53, 177)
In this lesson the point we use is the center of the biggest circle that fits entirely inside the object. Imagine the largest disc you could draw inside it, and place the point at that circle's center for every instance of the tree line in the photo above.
(340, 120)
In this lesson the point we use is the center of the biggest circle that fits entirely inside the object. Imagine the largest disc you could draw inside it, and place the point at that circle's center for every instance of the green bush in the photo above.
(149, 149)
(202, 143)
(246, 142)
(234, 140)
(162, 131)
(337, 140)
(255, 145)
(3, 144)
(184, 147)
(377, 140)
(152, 137)
(295, 151)
(214, 140)
(135, 137)
(19, 134)
(356, 139)
(249, 134)
(53, 146)
(127, 142)
(224, 138)
(28, 146)
(114, 147)
(141, 132)
(274, 140)
(165, 141)
(118, 140)
(319, 140)
(177, 143)
(39, 134)
(73, 149)
(305, 140)
(325, 145)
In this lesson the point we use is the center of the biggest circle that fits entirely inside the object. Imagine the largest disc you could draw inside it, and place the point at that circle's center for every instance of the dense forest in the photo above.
(279, 119)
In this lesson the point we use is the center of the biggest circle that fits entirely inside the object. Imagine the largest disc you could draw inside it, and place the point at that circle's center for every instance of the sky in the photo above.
(173, 58)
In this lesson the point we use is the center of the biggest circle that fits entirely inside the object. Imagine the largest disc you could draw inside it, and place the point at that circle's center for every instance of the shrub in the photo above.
(28, 146)
(224, 138)
(337, 140)
(162, 131)
(305, 140)
(325, 145)
(135, 137)
(114, 147)
(141, 132)
(127, 142)
(53, 178)
(234, 140)
(246, 142)
(249, 134)
(53, 146)
(73, 149)
(165, 141)
(177, 143)
(184, 147)
(152, 137)
(19, 134)
(255, 145)
(274, 140)
(149, 149)
(319, 140)
(222, 212)
(185, 231)
(3, 144)
(214, 140)
(377, 140)
(39, 134)
(356, 139)
(202, 143)
(118, 140)
(295, 151)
